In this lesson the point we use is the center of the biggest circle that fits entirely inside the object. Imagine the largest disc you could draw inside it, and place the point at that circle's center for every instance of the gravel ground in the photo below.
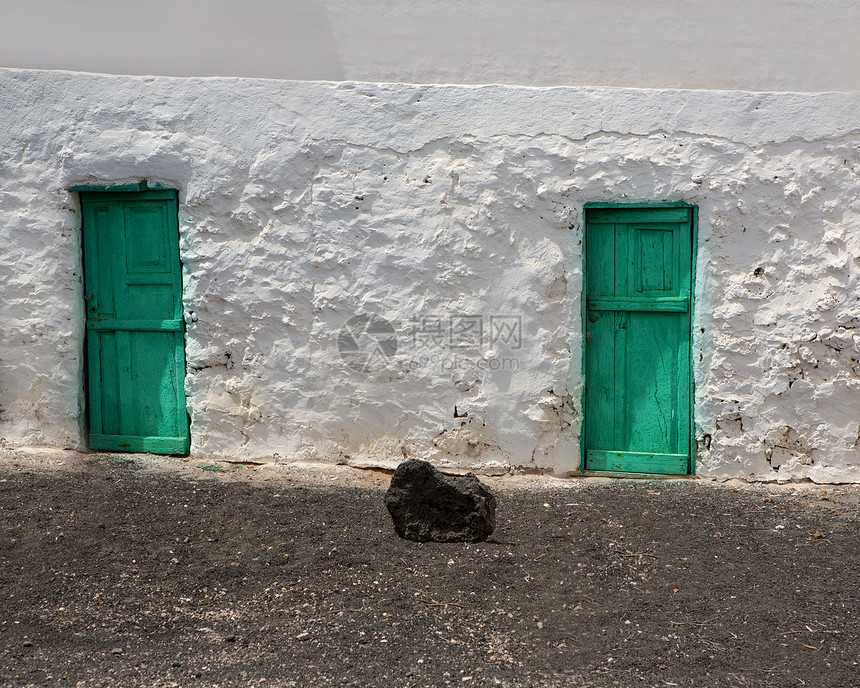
(135, 571)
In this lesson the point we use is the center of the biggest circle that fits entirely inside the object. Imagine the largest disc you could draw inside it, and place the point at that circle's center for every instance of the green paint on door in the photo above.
(638, 275)
(135, 331)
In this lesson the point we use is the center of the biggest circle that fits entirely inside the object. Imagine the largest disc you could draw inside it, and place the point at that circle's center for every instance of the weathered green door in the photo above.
(638, 267)
(135, 332)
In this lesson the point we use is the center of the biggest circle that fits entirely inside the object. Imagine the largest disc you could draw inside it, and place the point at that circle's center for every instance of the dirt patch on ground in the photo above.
(118, 571)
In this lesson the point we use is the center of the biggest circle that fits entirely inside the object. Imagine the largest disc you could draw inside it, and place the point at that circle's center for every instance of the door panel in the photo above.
(653, 261)
(135, 345)
(637, 340)
(651, 375)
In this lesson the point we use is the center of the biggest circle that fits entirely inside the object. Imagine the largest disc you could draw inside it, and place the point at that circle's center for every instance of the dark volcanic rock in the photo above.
(430, 506)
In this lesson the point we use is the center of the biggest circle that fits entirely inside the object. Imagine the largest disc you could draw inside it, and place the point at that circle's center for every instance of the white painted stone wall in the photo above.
(305, 203)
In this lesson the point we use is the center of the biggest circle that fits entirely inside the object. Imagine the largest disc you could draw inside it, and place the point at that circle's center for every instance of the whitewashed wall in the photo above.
(305, 203)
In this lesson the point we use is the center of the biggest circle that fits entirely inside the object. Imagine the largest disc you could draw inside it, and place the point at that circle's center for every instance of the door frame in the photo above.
(145, 190)
(694, 240)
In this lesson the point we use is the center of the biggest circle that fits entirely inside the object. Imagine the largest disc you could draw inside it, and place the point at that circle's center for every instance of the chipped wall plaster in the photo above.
(303, 204)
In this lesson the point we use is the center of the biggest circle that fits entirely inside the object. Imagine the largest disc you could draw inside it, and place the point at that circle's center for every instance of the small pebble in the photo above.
(230, 638)
(116, 651)
(176, 663)
(28, 643)
(303, 636)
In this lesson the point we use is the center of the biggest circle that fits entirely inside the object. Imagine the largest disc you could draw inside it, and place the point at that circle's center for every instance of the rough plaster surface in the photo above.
(305, 203)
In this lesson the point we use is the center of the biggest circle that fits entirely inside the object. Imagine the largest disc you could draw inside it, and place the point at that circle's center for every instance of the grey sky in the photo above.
(779, 45)
(257, 38)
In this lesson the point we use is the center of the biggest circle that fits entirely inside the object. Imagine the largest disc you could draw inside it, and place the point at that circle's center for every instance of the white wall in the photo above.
(305, 203)
(765, 45)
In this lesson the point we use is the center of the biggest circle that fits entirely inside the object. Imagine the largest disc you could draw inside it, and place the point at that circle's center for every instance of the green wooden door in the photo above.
(135, 331)
(638, 267)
